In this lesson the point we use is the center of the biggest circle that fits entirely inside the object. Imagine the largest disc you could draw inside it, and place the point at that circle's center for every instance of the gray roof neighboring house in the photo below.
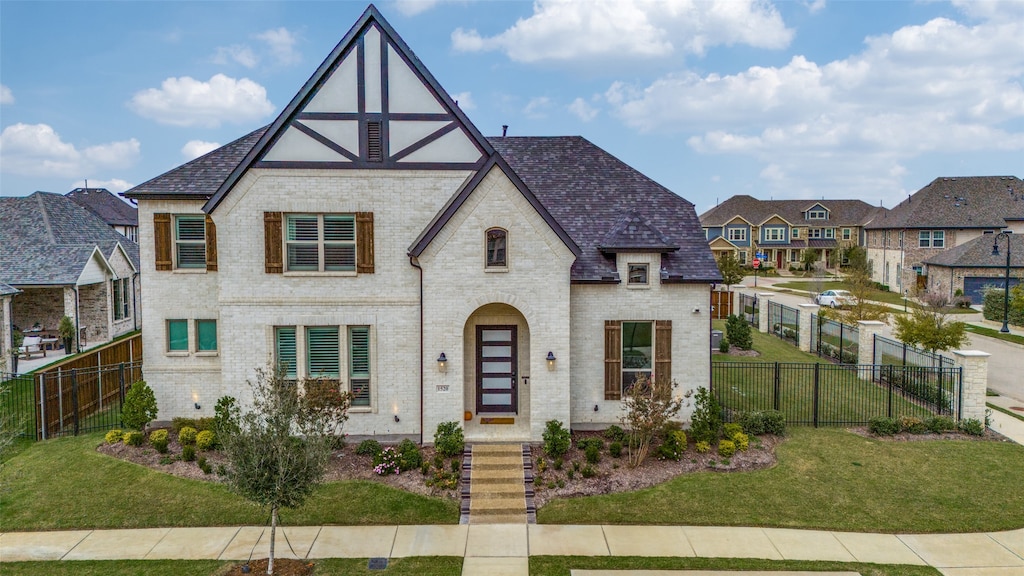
(7, 289)
(103, 203)
(48, 240)
(978, 253)
(962, 202)
(842, 212)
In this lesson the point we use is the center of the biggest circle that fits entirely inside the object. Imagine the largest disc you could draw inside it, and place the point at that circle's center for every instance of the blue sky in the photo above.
(799, 99)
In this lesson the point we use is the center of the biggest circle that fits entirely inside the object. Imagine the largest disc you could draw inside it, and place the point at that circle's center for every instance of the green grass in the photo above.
(772, 349)
(65, 484)
(833, 480)
(1005, 411)
(884, 296)
(426, 566)
(992, 333)
(561, 565)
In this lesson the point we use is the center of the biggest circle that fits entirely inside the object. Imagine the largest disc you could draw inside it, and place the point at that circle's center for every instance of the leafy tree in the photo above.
(730, 269)
(649, 406)
(738, 332)
(139, 408)
(809, 258)
(857, 258)
(279, 453)
(929, 326)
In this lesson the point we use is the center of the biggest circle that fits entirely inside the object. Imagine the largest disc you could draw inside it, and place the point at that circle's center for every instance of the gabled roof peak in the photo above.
(634, 233)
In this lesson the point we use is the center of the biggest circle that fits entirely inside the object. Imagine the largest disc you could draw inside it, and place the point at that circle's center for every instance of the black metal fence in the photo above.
(784, 322)
(834, 341)
(887, 351)
(67, 402)
(836, 395)
(749, 310)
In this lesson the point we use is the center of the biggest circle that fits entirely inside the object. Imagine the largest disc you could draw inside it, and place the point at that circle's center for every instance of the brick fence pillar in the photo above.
(974, 382)
(762, 311)
(806, 310)
(866, 330)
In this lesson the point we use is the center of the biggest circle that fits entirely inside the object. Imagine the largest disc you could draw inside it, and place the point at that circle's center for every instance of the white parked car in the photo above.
(834, 298)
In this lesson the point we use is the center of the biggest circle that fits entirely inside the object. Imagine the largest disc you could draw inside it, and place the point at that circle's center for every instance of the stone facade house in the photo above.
(118, 214)
(782, 230)
(972, 267)
(67, 262)
(371, 235)
(945, 214)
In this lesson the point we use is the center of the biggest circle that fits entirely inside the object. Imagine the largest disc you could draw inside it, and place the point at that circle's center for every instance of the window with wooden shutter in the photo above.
(663, 354)
(272, 243)
(364, 242)
(190, 241)
(162, 241)
(359, 364)
(612, 360)
(211, 244)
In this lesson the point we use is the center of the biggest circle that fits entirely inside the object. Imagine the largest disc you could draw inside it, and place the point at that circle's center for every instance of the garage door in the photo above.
(974, 287)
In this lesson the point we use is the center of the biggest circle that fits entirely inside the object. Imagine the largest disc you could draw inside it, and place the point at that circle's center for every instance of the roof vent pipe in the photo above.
(504, 130)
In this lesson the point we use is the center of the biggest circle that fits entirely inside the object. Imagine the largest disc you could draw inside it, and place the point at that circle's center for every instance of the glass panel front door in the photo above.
(496, 363)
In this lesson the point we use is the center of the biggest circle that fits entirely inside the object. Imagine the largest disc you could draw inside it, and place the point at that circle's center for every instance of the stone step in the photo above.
(498, 519)
(497, 484)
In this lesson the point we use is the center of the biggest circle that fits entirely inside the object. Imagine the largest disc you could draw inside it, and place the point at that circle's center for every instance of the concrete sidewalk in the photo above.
(504, 549)
(1005, 424)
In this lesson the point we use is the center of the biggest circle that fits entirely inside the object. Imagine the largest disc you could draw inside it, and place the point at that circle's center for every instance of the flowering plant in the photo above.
(386, 462)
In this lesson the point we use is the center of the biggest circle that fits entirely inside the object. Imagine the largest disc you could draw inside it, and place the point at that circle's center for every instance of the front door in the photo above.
(778, 258)
(496, 363)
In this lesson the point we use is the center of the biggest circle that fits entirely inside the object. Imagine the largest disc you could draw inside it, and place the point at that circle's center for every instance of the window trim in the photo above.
(497, 266)
(645, 267)
(178, 242)
(742, 233)
(622, 353)
(819, 214)
(830, 233)
(216, 339)
(321, 243)
(167, 335)
(931, 239)
(299, 335)
(847, 234)
(794, 233)
(119, 300)
(778, 231)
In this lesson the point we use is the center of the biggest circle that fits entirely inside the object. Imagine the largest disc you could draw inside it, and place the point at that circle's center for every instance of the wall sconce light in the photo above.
(551, 360)
(198, 407)
(595, 407)
(397, 419)
(442, 363)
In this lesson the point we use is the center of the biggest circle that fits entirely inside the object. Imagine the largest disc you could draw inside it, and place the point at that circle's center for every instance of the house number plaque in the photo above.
(442, 388)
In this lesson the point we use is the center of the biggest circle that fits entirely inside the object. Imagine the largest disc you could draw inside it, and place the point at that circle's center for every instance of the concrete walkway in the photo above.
(504, 549)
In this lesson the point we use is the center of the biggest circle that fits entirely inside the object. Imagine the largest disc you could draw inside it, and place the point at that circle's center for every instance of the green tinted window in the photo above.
(206, 335)
(177, 335)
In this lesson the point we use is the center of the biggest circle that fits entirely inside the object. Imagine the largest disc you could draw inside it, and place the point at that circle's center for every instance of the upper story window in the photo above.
(738, 234)
(774, 234)
(814, 233)
(120, 296)
(638, 274)
(497, 244)
(846, 234)
(190, 241)
(932, 239)
(320, 242)
(817, 215)
(795, 233)
(830, 232)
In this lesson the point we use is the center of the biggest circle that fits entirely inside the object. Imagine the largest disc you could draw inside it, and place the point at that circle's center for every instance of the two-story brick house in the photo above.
(783, 229)
(372, 235)
(946, 213)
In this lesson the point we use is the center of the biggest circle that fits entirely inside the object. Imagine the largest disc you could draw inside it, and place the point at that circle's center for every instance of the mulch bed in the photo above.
(282, 567)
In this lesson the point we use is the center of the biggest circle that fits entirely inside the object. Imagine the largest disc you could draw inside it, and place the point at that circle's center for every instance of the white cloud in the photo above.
(623, 30)
(464, 100)
(6, 96)
(37, 150)
(188, 102)
(814, 6)
(538, 107)
(414, 7)
(583, 110)
(238, 53)
(115, 185)
(195, 148)
(281, 43)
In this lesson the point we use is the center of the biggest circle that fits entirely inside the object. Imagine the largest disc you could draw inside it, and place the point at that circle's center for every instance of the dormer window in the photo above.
(817, 215)
(637, 275)
(497, 241)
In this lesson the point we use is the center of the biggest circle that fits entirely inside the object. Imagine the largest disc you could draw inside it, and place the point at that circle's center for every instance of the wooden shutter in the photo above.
(162, 241)
(274, 263)
(663, 355)
(612, 360)
(364, 242)
(211, 244)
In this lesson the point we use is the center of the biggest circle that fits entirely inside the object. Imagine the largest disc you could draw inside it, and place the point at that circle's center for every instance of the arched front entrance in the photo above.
(496, 356)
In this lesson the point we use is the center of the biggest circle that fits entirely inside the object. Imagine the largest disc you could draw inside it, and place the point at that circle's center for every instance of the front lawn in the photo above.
(65, 484)
(884, 296)
(418, 566)
(833, 480)
(561, 565)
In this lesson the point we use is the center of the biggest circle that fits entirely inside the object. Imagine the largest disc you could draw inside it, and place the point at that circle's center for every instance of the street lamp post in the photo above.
(1006, 281)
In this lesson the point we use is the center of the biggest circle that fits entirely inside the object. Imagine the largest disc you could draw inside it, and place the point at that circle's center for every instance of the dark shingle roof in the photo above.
(201, 177)
(971, 202)
(978, 254)
(842, 212)
(7, 289)
(49, 238)
(590, 193)
(100, 201)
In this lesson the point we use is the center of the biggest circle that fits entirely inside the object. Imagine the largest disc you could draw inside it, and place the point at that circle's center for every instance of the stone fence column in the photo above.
(866, 330)
(806, 310)
(762, 311)
(974, 382)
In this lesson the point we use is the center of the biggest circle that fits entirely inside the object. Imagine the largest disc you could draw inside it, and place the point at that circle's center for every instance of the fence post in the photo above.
(762, 311)
(904, 353)
(42, 404)
(121, 391)
(817, 368)
(806, 311)
(74, 396)
(866, 331)
(778, 387)
(888, 411)
(973, 382)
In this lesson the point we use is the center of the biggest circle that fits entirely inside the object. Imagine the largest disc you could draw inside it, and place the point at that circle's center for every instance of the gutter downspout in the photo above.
(415, 264)
(78, 327)
(135, 304)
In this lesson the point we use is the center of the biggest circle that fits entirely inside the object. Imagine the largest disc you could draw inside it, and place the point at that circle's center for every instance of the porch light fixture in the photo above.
(198, 407)
(442, 363)
(551, 360)
(595, 407)
(397, 419)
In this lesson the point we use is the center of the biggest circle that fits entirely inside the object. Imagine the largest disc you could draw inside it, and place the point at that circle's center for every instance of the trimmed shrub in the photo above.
(706, 423)
(134, 438)
(588, 471)
(912, 425)
(226, 415)
(409, 455)
(882, 426)
(615, 449)
(972, 426)
(723, 345)
(187, 436)
(203, 464)
(139, 408)
(615, 433)
(593, 453)
(702, 447)
(742, 441)
(557, 439)
(939, 424)
(188, 453)
(586, 443)
(368, 447)
(673, 447)
(199, 424)
(114, 436)
(760, 422)
(448, 439)
(386, 462)
(731, 429)
(159, 440)
(737, 332)
(206, 440)
(726, 448)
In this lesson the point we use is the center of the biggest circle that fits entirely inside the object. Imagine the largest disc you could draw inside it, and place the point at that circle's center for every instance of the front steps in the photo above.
(497, 485)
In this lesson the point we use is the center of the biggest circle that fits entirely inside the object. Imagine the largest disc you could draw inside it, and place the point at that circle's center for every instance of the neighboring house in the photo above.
(971, 267)
(782, 230)
(117, 213)
(67, 262)
(946, 213)
(7, 293)
(372, 235)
